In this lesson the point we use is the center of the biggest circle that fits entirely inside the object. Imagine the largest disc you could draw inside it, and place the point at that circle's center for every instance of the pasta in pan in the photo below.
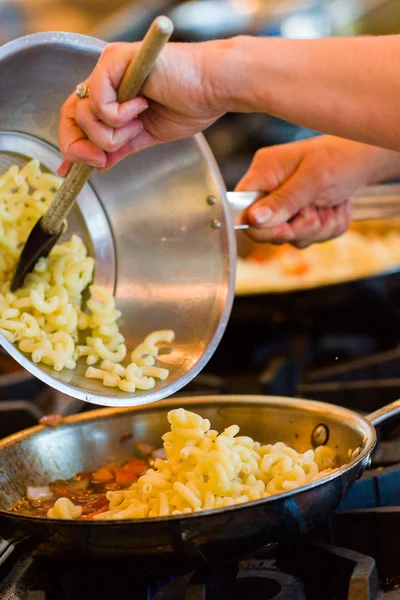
(45, 318)
(204, 469)
(366, 249)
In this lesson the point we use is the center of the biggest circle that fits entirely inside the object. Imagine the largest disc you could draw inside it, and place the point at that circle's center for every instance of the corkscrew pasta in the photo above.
(45, 318)
(205, 469)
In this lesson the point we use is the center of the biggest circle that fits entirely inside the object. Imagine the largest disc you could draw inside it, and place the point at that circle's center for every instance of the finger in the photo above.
(285, 202)
(104, 137)
(343, 218)
(74, 145)
(306, 225)
(104, 82)
(281, 234)
(270, 167)
(333, 223)
(142, 141)
(64, 168)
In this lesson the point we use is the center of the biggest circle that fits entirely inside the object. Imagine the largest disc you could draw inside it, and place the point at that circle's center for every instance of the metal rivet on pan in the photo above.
(215, 224)
(211, 200)
(320, 435)
(185, 536)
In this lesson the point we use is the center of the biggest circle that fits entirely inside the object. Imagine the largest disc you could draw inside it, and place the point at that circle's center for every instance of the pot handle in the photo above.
(238, 202)
(375, 202)
(385, 413)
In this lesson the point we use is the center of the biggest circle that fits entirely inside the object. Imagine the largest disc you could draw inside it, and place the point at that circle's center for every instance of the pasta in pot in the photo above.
(44, 318)
(204, 469)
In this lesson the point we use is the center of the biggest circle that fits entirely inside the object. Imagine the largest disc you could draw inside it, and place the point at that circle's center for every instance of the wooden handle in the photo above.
(135, 76)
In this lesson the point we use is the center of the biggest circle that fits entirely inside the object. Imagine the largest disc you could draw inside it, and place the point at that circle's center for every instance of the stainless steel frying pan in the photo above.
(39, 455)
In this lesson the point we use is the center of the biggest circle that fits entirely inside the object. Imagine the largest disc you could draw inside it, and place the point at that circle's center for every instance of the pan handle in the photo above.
(385, 413)
(375, 202)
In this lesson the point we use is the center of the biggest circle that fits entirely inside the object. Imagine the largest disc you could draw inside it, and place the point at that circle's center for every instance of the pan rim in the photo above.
(110, 413)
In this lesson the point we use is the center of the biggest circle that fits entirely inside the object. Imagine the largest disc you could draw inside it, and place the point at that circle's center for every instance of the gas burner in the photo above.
(309, 570)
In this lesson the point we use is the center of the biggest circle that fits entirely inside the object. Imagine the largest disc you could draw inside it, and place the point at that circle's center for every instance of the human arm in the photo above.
(343, 86)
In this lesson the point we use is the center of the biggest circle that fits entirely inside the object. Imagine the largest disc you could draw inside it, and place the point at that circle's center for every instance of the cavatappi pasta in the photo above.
(44, 318)
(366, 249)
(204, 470)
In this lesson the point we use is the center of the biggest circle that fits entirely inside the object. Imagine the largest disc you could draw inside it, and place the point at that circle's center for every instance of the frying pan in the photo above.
(84, 442)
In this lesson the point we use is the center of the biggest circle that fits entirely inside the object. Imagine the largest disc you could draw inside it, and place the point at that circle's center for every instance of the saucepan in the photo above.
(159, 225)
(85, 442)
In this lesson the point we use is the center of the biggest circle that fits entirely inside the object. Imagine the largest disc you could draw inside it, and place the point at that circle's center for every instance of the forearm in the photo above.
(381, 164)
(348, 87)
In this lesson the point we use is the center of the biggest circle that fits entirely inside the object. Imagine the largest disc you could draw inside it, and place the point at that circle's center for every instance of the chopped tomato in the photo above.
(52, 420)
(258, 259)
(61, 491)
(103, 475)
(124, 477)
(136, 466)
(84, 476)
(300, 269)
(97, 512)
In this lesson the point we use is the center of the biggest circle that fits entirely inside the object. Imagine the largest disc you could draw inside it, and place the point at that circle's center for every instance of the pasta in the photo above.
(64, 509)
(368, 248)
(45, 318)
(205, 469)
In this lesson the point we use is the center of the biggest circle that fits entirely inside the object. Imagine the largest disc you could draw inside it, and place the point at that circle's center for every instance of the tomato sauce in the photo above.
(87, 490)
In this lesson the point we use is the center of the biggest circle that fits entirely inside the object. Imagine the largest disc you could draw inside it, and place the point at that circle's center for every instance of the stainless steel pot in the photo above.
(159, 224)
(85, 442)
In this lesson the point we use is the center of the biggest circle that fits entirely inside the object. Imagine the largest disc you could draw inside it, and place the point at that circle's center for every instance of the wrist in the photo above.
(224, 63)
(383, 165)
(368, 164)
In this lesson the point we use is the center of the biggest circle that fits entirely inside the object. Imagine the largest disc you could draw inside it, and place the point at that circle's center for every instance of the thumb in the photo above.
(285, 202)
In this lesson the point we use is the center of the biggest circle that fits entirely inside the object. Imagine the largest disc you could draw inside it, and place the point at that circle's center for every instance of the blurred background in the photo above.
(235, 138)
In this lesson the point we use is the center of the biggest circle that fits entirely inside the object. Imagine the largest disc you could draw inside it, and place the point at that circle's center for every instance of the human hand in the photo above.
(309, 185)
(177, 102)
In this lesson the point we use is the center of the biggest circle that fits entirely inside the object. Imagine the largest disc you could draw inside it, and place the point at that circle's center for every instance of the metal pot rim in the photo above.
(49, 37)
(368, 445)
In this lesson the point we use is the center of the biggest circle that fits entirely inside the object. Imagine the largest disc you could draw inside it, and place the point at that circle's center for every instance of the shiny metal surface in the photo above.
(382, 414)
(86, 441)
(370, 203)
(147, 221)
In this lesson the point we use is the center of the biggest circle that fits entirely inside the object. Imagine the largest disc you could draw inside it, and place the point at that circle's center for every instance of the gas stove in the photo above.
(354, 556)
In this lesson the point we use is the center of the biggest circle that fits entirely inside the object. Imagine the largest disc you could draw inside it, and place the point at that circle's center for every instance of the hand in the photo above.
(177, 102)
(309, 184)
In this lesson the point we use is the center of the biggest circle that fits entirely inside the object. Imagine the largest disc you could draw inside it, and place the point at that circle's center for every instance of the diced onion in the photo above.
(159, 453)
(39, 493)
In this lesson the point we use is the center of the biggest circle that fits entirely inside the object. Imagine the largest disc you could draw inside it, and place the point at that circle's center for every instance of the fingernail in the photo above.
(261, 214)
(99, 163)
(145, 107)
